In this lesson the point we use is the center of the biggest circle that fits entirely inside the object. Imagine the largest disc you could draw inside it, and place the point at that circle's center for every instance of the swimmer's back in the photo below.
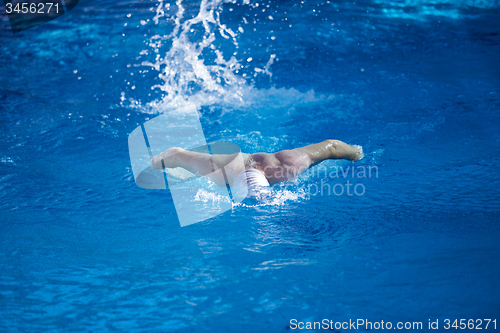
(281, 166)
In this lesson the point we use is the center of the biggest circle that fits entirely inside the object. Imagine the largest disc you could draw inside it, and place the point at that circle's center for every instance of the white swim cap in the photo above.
(248, 182)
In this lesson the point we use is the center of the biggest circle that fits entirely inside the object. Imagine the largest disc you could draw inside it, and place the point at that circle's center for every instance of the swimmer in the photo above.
(258, 168)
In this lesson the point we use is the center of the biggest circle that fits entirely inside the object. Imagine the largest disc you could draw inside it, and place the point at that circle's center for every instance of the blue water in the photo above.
(416, 83)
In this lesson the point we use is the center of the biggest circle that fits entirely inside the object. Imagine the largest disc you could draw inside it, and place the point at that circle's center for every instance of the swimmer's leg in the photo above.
(332, 150)
(294, 162)
(289, 164)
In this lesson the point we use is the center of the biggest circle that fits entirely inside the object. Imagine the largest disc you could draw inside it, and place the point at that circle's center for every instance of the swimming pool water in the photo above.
(415, 83)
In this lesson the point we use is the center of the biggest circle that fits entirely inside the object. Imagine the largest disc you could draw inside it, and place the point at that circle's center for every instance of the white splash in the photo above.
(276, 196)
(197, 70)
(210, 197)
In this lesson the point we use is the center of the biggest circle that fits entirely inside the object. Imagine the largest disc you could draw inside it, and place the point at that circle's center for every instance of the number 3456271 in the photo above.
(463, 324)
(32, 8)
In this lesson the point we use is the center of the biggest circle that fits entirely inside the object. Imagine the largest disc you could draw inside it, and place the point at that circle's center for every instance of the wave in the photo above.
(420, 10)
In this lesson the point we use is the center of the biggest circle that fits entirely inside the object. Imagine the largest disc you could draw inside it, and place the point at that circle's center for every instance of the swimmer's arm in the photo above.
(201, 164)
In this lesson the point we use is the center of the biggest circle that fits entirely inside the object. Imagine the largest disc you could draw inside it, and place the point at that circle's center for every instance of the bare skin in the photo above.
(277, 167)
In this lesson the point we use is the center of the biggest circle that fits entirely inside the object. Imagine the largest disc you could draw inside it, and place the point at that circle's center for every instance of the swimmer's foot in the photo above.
(342, 150)
(356, 154)
(168, 157)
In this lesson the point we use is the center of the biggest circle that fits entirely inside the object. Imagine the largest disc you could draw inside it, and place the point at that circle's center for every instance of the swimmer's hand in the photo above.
(168, 157)
(156, 162)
